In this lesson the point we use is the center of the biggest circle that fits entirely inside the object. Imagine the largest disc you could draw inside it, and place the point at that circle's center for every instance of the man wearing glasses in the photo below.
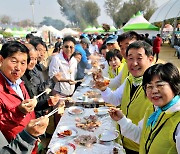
(63, 68)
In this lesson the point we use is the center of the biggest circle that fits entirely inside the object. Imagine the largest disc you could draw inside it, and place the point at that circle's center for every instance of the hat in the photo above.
(111, 39)
(59, 37)
(85, 40)
(84, 35)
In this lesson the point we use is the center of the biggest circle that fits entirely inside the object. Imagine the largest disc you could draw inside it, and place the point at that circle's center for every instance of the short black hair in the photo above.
(104, 46)
(69, 38)
(55, 50)
(76, 53)
(36, 41)
(29, 36)
(112, 54)
(12, 47)
(166, 72)
(141, 44)
(99, 37)
(128, 35)
(146, 34)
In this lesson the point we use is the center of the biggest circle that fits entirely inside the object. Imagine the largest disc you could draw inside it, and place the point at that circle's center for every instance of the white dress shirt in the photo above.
(67, 69)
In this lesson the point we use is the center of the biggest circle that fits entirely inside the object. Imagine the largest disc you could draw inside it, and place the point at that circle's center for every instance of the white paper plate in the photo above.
(108, 135)
(84, 85)
(71, 147)
(73, 129)
(76, 110)
(102, 111)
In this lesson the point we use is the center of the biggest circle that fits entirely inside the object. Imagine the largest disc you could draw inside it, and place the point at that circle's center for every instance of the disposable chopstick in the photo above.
(48, 115)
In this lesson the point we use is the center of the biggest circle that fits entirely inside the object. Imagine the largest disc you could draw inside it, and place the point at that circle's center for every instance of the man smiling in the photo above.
(63, 68)
(130, 95)
(16, 109)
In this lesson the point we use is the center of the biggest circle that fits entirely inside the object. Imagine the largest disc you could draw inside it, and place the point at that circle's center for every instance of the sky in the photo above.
(21, 9)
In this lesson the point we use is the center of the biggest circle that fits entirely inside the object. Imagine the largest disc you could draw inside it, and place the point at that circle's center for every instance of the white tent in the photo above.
(69, 31)
(51, 29)
(170, 9)
(8, 30)
(136, 19)
(55, 31)
(44, 28)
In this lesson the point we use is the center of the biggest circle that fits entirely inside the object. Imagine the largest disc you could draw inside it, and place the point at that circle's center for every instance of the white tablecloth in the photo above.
(78, 96)
(69, 120)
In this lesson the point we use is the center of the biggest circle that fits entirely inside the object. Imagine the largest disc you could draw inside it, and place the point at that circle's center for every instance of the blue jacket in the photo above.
(79, 49)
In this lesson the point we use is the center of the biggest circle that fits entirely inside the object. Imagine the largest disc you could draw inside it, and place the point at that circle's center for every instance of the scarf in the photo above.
(154, 116)
(137, 81)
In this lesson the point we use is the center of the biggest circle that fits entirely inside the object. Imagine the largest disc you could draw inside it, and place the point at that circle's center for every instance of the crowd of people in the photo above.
(145, 96)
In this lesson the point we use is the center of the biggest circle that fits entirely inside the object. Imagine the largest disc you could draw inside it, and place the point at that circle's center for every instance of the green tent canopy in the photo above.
(90, 30)
(138, 22)
(140, 26)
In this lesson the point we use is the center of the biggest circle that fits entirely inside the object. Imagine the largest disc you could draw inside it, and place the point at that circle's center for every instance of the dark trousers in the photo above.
(157, 56)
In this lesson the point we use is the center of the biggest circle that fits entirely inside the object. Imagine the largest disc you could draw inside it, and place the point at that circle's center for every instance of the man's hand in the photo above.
(57, 77)
(71, 82)
(27, 105)
(116, 114)
(38, 126)
(101, 85)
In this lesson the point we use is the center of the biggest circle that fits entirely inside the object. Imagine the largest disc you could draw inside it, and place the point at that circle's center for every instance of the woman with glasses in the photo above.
(159, 131)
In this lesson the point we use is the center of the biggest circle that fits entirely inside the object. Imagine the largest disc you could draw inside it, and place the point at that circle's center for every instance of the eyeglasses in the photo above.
(110, 44)
(67, 46)
(159, 86)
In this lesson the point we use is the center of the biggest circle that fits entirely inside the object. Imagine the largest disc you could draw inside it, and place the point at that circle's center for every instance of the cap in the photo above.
(86, 40)
(111, 39)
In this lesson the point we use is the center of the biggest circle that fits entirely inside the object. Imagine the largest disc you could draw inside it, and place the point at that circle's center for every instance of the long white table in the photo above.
(69, 120)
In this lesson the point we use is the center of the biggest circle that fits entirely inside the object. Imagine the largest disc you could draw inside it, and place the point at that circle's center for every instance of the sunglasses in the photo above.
(67, 46)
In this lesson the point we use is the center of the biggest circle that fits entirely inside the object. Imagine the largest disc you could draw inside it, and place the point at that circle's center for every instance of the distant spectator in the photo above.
(59, 43)
(29, 37)
(85, 42)
(112, 43)
(93, 48)
(99, 41)
(157, 46)
(147, 39)
(104, 63)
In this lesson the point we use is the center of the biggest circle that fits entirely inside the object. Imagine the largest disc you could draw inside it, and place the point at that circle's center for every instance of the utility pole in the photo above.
(32, 6)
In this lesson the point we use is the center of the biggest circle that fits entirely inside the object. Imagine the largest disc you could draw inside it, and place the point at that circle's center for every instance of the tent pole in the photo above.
(162, 26)
(173, 34)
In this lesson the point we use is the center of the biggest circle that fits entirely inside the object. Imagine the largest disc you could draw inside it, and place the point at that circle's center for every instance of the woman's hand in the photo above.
(116, 114)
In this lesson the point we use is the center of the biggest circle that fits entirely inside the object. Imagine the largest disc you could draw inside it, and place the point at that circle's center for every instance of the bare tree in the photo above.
(80, 12)
(112, 7)
(5, 19)
(90, 12)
